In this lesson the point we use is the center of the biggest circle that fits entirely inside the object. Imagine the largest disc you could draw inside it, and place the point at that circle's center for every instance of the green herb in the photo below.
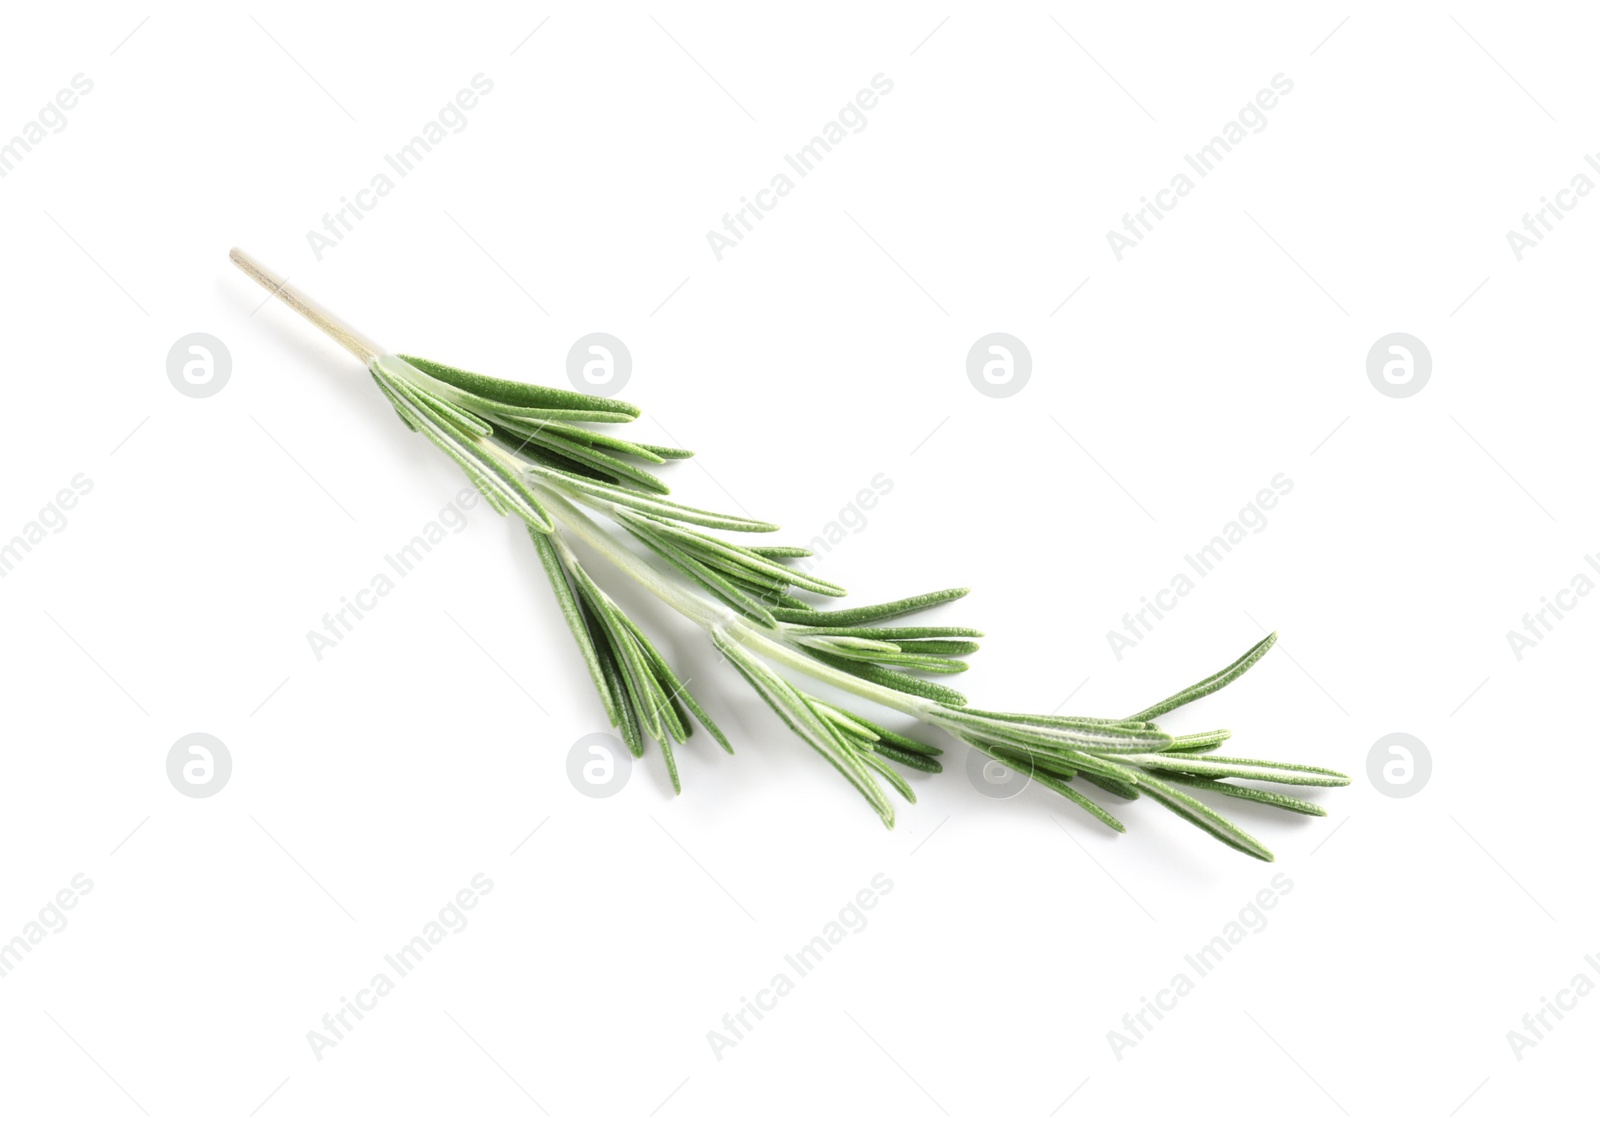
(532, 453)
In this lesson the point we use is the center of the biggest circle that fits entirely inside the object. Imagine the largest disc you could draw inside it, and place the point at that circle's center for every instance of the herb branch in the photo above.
(532, 453)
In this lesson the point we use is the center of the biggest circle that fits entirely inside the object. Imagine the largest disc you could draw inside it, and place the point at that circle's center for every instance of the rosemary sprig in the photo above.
(531, 453)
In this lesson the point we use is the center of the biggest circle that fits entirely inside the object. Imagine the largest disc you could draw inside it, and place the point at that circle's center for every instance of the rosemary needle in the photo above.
(533, 452)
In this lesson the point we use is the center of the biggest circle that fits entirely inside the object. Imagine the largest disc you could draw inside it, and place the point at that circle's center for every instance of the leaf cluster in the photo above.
(518, 442)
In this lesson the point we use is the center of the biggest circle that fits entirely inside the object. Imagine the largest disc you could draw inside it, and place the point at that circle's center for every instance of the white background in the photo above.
(1230, 346)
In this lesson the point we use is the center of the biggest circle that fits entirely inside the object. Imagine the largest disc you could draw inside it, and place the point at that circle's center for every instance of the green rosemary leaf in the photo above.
(652, 505)
(859, 754)
(1052, 782)
(762, 586)
(400, 411)
(700, 545)
(898, 681)
(518, 439)
(844, 722)
(518, 394)
(497, 500)
(1053, 720)
(524, 503)
(779, 551)
(1293, 776)
(1083, 737)
(674, 719)
(1315, 775)
(672, 767)
(467, 422)
(685, 719)
(792, 708)
(909, 758)
(488, 471)
(656, 714)
(462, 419)
(879, 633)
(1062, 761)
(1044, 720)
(668, 453)
(1203, 816)
(915, 663)
(876, 743)
(1113, 786)
(1040, 762)
(729, 594)
(906, 743)
(568, 599)
(1251, 794)
(1215, 682)
(656, 717)
(871, 757)
(474, 453)
(678, 692)
(734, 569)
(916, 647)
(892, 738)
(589, 457)
(632, 733)
(633, 693)
(867, 613)
(418, 378)
(442, 417)
(592, 438)
(1200, 740)
(536, 418)
(854, 650)
(767, 595)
